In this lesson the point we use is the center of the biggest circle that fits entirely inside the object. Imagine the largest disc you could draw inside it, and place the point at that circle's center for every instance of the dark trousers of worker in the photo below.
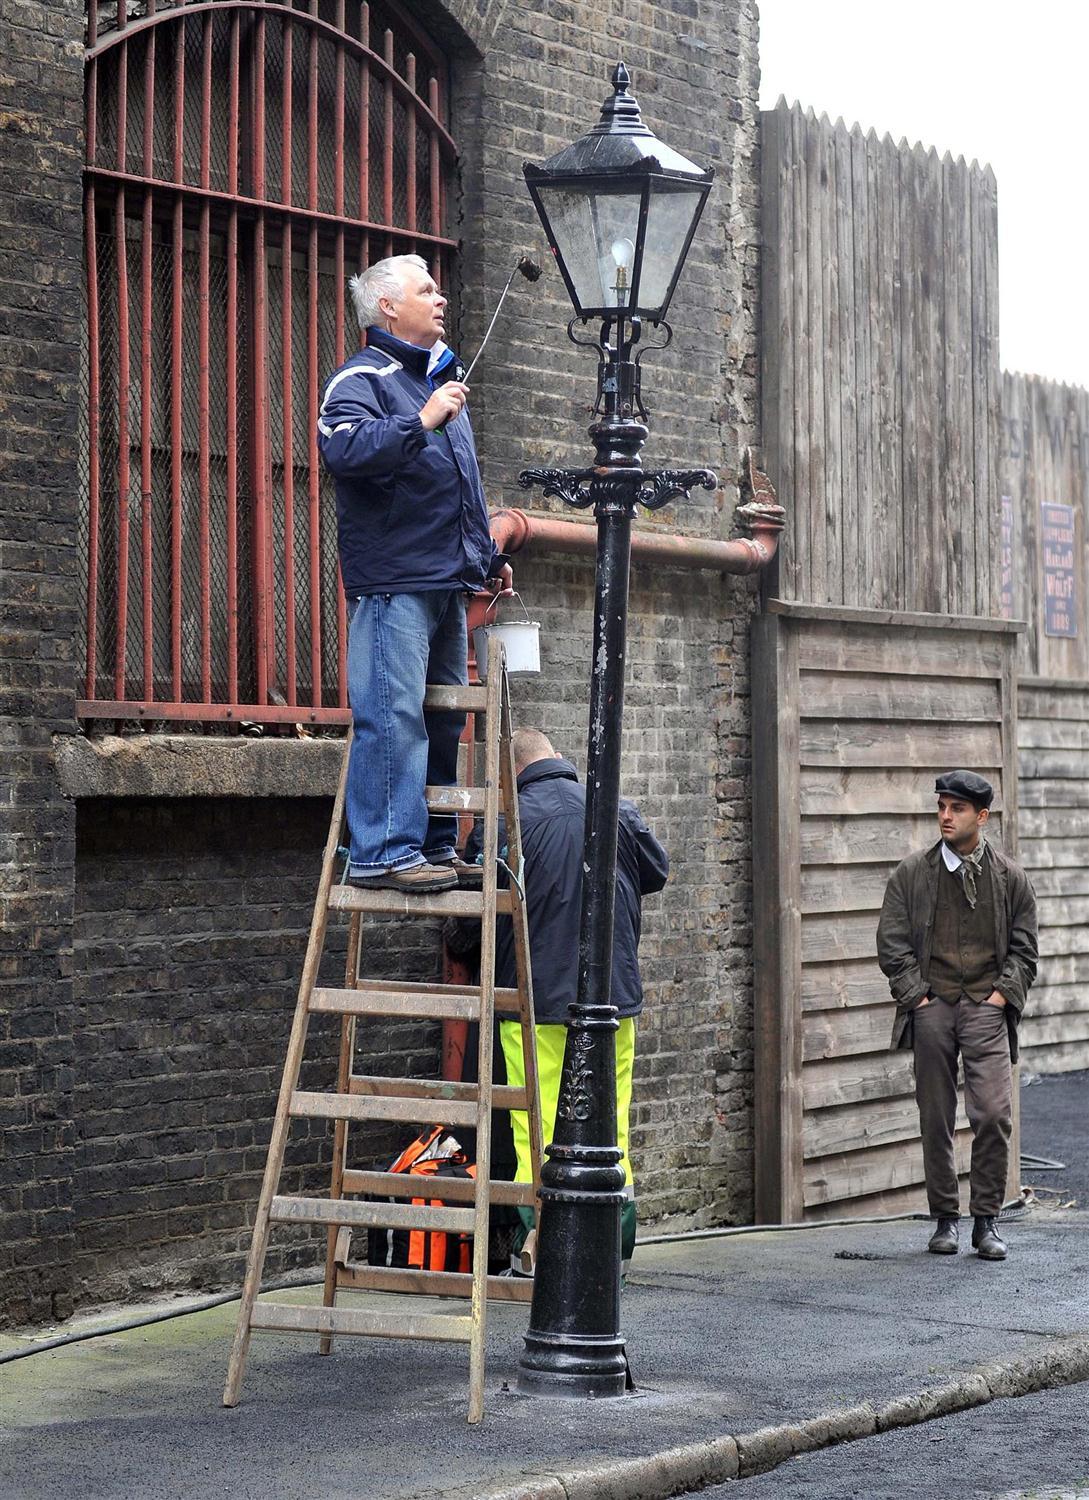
(977, 1032)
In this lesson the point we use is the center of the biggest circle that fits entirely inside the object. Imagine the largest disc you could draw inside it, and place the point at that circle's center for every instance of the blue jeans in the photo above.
(397, 644)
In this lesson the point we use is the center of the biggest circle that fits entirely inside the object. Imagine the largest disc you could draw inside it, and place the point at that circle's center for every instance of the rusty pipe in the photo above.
(515, 530)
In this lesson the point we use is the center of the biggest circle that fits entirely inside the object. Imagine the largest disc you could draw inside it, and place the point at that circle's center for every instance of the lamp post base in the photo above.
(576, 1365)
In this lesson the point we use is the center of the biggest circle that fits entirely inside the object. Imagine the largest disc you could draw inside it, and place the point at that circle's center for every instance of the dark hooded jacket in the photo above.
(552, 810)
(411, 515)
(906, 931)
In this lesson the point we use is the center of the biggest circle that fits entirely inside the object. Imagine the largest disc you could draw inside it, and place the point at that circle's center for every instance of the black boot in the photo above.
(986, 1240)
(944, 1239)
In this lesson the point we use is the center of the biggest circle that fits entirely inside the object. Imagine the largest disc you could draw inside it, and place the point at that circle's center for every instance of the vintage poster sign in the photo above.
(1006, 577)
(1057, 546)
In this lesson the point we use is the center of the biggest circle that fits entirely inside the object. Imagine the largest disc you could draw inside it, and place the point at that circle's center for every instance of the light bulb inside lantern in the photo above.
(623, 254)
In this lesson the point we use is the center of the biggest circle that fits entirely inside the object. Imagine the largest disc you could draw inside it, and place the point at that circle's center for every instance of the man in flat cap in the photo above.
(957, 943)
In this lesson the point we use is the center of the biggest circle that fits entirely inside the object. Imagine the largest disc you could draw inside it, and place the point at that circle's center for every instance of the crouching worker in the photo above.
(552, 810)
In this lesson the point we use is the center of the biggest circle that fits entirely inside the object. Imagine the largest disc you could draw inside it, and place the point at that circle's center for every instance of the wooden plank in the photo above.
(450, 903)
(851, 695)
(1068, 700)
(800, 346)
(1060, 1029)
(827, 888)
(854, 589)
(876, 1170)
(289, 1209)
(776, 352)
(866, 742)
(453, 1189)
(959, 483)
(1064, 911)
(1067, 968)
(1054, 734)
(888, 336)
(313, 1106)
(364, 1002)
(912, 512)
(817, 489)
(897, 1202)
(1061, 882)
(831, 376)
(864, 840)
(1062, 764)
(1051, 792)
(986, 306)
(863, 290)
(853, 1079)
(777, 937)
(359, 1277)
(287, 1317)
(844, 935)
(831, 1132)
(1055, 1000)
(841, 646)
(440, 1091)
(1057, 942)
(850, 983)
(1061, 1057)
(1054, 854)
(889, 790)
(800, 609)
(443, 699)
(459, 799)
(847, 1033)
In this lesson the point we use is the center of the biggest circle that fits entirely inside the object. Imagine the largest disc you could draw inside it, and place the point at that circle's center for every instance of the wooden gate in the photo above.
(854, 714)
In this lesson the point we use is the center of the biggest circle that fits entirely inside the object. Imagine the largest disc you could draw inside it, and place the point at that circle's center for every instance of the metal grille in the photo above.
(241, 161)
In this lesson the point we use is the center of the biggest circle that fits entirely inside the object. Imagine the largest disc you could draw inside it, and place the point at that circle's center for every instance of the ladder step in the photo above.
(366, 1001)
(290, 1317)
(358, 1277)
(396, 903)
(469, 700)
(442, 1091)
(456, 1002)
(455, 799)
(371, 1107)
(455, 1189)
(291, 1210)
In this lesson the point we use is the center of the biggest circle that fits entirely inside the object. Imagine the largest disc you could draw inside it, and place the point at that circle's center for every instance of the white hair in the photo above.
(382, 279)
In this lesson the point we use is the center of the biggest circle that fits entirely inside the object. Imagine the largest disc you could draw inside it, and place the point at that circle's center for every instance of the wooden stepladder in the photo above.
(464, 1203)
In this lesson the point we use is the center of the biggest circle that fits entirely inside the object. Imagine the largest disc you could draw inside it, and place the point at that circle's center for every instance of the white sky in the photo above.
(1002, 82)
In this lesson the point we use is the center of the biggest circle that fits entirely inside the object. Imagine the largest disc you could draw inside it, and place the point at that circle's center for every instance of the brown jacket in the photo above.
(906, 929)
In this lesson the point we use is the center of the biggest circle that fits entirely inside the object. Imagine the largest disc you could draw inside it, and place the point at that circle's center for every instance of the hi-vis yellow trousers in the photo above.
(551, 1040)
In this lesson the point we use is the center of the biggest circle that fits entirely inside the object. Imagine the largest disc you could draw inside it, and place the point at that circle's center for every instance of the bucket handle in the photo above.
(494, 604)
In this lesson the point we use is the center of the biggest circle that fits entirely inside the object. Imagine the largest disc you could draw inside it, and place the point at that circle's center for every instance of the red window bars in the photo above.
(242, 160)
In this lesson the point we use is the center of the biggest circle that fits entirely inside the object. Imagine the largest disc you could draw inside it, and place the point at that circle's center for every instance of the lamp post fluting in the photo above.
(619, 209)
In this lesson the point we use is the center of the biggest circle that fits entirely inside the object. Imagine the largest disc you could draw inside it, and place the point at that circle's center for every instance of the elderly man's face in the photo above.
(419, 317)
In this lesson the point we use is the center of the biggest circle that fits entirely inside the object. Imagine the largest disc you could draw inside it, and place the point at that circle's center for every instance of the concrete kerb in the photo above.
(696, 1466)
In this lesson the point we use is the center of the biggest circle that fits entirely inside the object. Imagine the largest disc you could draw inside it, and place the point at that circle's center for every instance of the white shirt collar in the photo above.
(437, 352)
(953, 861)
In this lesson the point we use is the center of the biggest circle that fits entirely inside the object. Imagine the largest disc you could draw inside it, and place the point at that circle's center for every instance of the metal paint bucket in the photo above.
(521, 642)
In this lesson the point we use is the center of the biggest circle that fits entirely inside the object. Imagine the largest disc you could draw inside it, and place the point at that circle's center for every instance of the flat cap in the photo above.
(968, 785)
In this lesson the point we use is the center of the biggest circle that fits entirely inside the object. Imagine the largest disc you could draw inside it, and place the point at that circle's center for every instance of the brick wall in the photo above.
(191, 920)
(41, 108)
(191, 914)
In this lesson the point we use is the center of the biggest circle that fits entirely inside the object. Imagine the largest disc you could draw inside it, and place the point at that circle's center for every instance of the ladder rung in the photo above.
(469, 700)
(440, 1090)
(370, 1107)
(368, 1001)
(290, 1317)
(438, 904)
(455, 1189)
(455, 799)
(358, 1277)
(291, 1210)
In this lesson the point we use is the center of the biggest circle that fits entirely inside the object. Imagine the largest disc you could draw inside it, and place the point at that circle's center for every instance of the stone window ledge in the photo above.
(189, 765)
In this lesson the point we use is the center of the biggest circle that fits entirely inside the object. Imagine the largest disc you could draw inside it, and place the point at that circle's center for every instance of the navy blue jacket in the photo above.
(552, 811)
(410, 505)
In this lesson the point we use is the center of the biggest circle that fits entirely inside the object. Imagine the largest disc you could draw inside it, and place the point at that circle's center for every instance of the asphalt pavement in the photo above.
(746, 1349)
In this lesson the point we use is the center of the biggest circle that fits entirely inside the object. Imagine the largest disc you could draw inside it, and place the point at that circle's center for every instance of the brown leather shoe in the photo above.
(469, 877)
(420, 880)
(986, 1240)
(944, 1239)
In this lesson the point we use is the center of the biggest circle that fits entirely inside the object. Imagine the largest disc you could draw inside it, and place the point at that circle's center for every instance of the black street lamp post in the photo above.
(619, 209)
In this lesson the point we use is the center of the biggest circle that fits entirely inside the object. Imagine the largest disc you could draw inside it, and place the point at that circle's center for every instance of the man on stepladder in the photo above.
(957, 943)
(413, 537)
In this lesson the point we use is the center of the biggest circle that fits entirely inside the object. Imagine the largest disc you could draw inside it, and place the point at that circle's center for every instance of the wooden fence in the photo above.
(1044, 462)
(854, 714)
(1053, 827)
(880, 368)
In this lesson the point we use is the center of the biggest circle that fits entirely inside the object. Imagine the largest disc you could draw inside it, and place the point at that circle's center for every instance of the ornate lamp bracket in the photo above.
(572, 486)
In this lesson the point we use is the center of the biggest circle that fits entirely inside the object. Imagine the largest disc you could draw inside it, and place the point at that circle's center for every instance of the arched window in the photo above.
(242, 160)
